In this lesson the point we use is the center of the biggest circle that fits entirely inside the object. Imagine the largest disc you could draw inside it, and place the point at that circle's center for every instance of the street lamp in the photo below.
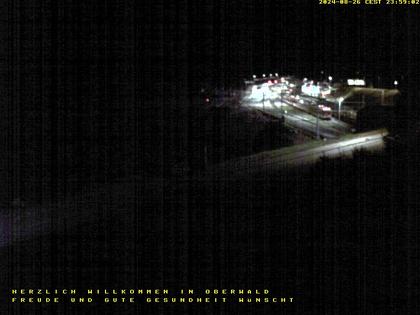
(254, 76)
(395, 83)
(340, 100)
(263, 75)
(330, 78)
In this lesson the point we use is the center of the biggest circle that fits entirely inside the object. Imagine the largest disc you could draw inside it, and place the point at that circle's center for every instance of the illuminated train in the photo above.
(324, 112)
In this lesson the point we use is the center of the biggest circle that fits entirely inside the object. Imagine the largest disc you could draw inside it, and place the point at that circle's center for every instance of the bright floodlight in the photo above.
(330, 78)
(395, 82)
(311, 90)
(260, 93)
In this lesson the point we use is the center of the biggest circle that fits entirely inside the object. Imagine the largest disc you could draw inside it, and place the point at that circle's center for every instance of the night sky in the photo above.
(216, 41)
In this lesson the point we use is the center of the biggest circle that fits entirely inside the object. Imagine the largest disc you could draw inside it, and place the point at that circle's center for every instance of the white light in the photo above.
(263, 75)
(254, 76)
(261, 92)
(395, 82)
(305, 79)
(341, 99)
(356, 82)
(330, 78)
(301, 101)
(277, 74)
(285, 111)
(271, 75)
(312, 90)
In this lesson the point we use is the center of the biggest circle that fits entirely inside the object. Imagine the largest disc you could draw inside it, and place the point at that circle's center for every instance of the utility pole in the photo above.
(340, 100)
(263, 101)
(317, 124)
(281, 103)
(205, 157)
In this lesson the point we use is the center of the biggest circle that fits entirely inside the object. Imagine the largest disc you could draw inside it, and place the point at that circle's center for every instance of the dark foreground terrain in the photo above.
(340, 237)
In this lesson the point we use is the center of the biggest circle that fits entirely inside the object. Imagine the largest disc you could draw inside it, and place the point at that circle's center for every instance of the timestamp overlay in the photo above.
(369, 2)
